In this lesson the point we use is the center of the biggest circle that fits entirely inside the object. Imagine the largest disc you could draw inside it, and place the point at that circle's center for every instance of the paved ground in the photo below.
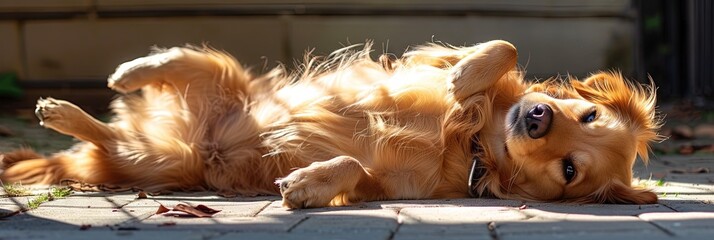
(684, 183)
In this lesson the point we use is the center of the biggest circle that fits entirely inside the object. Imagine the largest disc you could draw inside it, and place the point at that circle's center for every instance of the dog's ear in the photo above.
(480, 69)
(635, 104)
(618, 192)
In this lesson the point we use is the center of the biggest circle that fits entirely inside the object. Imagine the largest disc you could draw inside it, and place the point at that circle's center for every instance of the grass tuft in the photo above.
(54, 193)
(660, 182)
(39, 200)
(16, 190)
(651, 183)
(60, 192)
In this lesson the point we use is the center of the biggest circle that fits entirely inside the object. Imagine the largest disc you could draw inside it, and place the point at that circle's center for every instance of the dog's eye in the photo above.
(568, 170)
(590, 117)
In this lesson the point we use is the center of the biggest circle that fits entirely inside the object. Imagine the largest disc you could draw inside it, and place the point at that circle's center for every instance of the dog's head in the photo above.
(578, 141)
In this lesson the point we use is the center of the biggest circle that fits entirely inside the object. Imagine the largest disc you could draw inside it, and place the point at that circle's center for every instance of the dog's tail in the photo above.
(28, 167)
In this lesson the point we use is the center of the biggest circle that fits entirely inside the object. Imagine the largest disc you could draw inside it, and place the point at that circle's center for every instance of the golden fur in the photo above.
(345, 129)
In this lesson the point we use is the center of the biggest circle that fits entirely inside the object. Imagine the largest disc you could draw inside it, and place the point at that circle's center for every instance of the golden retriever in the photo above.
(345, 128)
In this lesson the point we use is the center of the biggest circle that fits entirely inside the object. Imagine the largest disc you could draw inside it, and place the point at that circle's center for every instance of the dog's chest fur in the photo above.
(390, 121)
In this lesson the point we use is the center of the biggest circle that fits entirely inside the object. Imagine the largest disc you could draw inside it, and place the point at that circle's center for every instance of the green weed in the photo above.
(54, 193)
(39, 200)
(16, 190)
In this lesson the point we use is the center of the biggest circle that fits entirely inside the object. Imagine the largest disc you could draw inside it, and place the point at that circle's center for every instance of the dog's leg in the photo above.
(483, 68)
(201, 78)
(335, 182)
(67, 118)
(181, 68)
(133, 75)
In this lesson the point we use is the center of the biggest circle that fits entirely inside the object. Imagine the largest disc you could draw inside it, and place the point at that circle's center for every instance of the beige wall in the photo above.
(10, 55)
(82, 49)
(81, 44)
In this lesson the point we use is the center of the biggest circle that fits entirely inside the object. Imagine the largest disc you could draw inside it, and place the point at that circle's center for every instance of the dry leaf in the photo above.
(688, 148)
(198, 211)
(162, 209)
(142, 195)
(184, 210)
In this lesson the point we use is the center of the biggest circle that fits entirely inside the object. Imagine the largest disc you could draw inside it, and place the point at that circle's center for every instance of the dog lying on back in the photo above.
(346, 128)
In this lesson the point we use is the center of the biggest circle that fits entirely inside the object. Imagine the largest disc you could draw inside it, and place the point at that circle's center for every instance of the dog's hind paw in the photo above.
(130, 76)
(135, 74)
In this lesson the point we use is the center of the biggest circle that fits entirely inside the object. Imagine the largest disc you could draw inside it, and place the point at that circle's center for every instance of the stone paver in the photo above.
(454, 220)
(12, 205)
(682, 222)
(552, 223)
(106, 235)
(594, 209)
(685, 186)
(684, 211)
(588, 235)
(684, 205)
(376, 235)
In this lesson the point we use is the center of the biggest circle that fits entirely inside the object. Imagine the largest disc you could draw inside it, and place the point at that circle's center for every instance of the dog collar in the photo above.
(477, 169)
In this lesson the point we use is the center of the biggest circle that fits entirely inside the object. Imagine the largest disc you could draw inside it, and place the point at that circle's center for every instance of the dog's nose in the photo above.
(538, 120)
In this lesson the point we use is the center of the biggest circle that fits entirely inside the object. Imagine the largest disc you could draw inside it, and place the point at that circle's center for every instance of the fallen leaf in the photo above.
(689, 148)
(142, 195)
(686, 149)
(162, 209)
(198, 211)
(185, 210)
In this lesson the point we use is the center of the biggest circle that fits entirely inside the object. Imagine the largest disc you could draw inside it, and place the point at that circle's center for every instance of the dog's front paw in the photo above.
(53, 112)
(307, 187)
